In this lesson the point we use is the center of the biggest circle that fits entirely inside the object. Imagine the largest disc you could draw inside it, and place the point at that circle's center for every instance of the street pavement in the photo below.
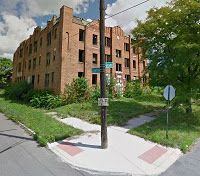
(21, 156)
(187, 165)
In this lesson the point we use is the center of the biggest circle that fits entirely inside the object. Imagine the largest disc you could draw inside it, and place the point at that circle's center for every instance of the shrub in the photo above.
(132, 89)
(95, 93)
(45, 99)
(18, 91)
(77, 91)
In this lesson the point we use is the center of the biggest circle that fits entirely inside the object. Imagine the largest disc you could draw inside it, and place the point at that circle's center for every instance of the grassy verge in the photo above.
(181, 135)
(119, 111)
(46, 128)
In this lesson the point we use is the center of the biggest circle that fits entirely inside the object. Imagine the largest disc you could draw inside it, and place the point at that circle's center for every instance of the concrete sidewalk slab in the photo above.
(122, 157)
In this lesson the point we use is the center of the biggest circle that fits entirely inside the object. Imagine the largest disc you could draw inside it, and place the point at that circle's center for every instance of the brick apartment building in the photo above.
(69, 47)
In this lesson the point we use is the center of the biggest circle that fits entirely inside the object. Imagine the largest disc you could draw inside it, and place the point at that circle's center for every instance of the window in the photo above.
(94, 79)
(134, 78)
(134, 64)
(80, 74)
(30, 49)
(54, 55)
(38, 79)
(118, 53)
(19, 67)
(39, 60)
(127, 62)
(33, 80)
(41, 42)
(48, 58)
(119, 67)
(81, 55)
(94, 59)
(52, 77)
(144, 65)
(127, 77)
(35, 46)
(34, 63)
(49, 39)
(81, 35)
(107, 42)
(46, 80)
(94, 40)
(21, 52)
(108, 58)
(55, 33)
(134, 50)
(29, 64)
(126, 47)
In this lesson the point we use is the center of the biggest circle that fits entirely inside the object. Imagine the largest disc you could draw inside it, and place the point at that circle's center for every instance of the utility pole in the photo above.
(104, 138)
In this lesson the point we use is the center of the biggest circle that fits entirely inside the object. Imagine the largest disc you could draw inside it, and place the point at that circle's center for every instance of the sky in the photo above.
(18, 18)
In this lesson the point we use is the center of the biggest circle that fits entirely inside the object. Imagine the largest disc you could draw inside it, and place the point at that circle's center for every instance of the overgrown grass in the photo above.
(46, 128)
(181, 135)
(119, 110)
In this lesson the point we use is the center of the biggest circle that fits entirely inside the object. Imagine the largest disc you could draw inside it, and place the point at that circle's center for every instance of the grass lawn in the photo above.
(46, 128)
(181, 135)
(119, 110)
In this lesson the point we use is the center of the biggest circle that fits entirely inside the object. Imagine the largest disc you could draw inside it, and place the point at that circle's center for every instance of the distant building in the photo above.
(69, 47)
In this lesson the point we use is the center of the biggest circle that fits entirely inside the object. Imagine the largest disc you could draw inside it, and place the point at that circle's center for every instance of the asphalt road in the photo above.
(21, 156)
(187, 165)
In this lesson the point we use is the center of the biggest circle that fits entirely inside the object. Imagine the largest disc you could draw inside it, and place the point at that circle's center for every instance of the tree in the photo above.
(170, 39)
(5, 71)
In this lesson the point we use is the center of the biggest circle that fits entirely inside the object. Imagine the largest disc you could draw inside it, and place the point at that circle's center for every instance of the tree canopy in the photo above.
(5, 71)
(170, 40)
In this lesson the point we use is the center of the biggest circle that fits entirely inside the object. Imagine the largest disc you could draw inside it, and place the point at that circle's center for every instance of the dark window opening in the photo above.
(52, 77)
(126, 47)
(107, 41)
(55, 33)
(46, 80)
(54, 55)
(127, 62)
(119, 67)
(38, 79)
(48, 58)
(34, 63)
(134, 64)
(21, 52)
(94, 40)
(144, 65)
(94, 79)
(81, 34)
(134, 50)
(29, 64)
(118, 53)
(81, 55)
(35, 46)
(33, 80)
(39, 60)
(127, 77)
(108, 58)
(94, 59)
(80, 74)
(30, 49)
(49, 39)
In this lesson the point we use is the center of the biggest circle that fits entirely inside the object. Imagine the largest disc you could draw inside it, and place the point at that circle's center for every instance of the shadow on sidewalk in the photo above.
(79, 144)
(18, 137)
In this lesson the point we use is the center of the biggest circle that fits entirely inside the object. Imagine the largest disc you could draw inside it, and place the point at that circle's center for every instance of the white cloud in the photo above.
(127, 20)
(17, 23)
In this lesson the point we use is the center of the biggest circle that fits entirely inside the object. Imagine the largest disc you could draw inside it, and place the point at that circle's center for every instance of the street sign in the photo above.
(96, 70)
(169, 93)
(103, 102)
(109, 65)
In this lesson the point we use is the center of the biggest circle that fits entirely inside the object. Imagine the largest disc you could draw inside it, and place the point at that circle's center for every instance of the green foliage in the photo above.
(95, 94)
(5, 71)
(132, 89)
(170, 39)
(77, 91)
(45, 99)
(46, 128)
(18, 91)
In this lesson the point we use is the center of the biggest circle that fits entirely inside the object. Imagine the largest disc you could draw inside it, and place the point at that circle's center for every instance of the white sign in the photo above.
(169, 93)
(103, 102)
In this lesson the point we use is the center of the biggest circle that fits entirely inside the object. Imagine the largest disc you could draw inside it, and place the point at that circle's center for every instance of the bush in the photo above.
(95, 93)
(132, 89)
(18, 91)
(45, 99)
(77, 91)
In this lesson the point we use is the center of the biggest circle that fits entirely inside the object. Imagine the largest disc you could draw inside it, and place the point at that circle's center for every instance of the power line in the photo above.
(88, 25)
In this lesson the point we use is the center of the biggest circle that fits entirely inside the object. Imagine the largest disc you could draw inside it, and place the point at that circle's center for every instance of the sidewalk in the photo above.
(126, 154)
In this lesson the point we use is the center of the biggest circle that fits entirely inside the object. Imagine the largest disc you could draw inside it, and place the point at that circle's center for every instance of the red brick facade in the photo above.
(69, 47)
